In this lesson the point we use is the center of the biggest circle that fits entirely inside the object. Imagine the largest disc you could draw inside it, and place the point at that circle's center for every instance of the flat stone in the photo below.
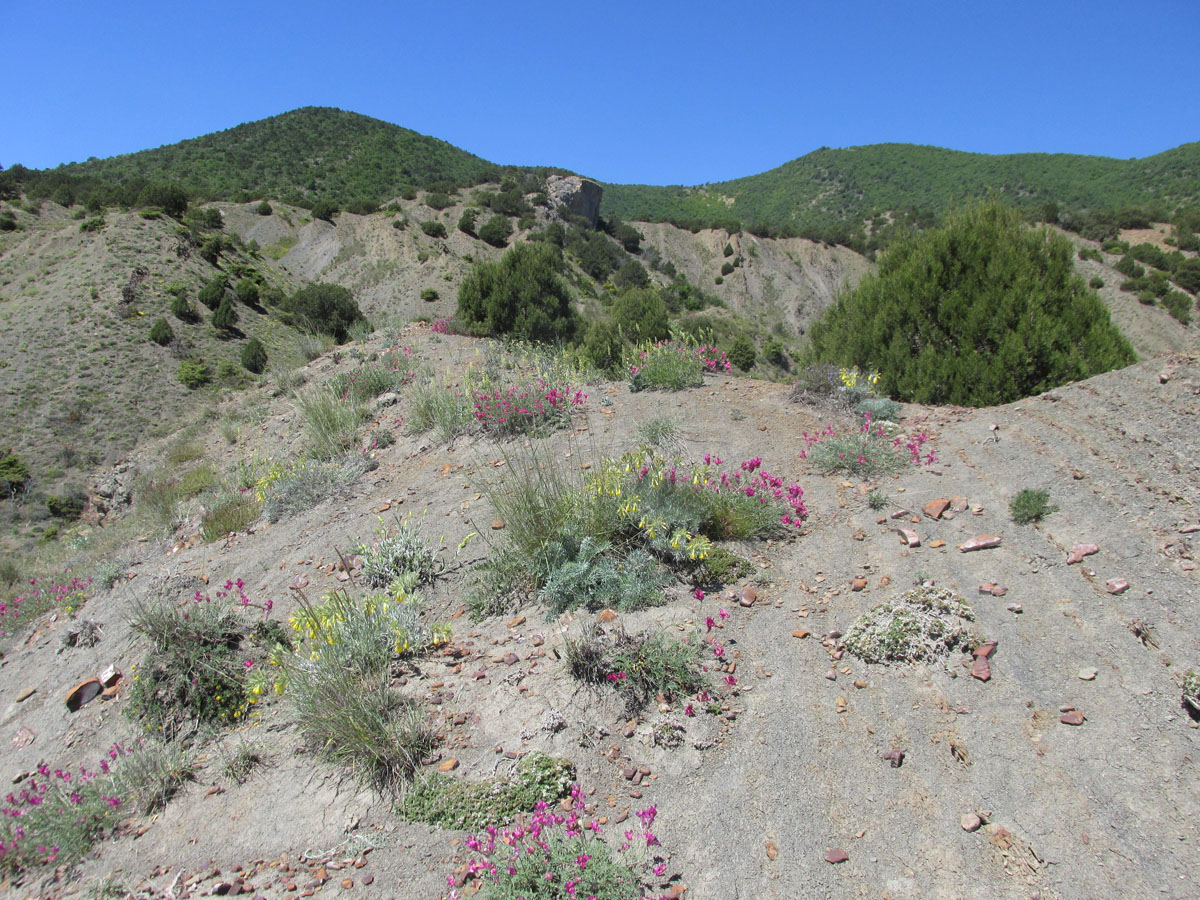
(836, 855)
(1015, 608)
(971, 822)
(938, 544)
(895, 757)
(749, 595)
(800, 634)
(26, 694)
(511, 659)
(981, 669)
(448, 766)
(980, 542)
(606, 615)
(858, 584)
(909, 537)
(1074, 717)
(935, 508)
(959, 504)
(901, 514)
(1116, 585)
(1079, 551)
(497, 524)
(519, 620)
(84, 692)
(984, 650)
(772, 850)
(831, 675)
(1088, 674)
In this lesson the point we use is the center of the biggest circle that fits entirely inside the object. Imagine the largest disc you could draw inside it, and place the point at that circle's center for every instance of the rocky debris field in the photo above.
(1037, 750)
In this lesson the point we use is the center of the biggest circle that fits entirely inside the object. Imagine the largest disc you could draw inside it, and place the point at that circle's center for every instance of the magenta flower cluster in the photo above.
(526, 407)
(557, 854)
(234, 591)
(53, 793)
(869, 437)
(58, 592)
(752, 480)
(445, 325)
(711, 358)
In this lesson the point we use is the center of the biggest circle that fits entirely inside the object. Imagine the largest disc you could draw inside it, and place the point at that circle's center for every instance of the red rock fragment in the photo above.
(858, 584)
(749, 595)
(935, 508)
(909, 537)
(980, 542)
(1116, 585)
(1079, 551)
(836, 855)
(895, 757)
(984, 650)
(1075, 717)
(981, 669)
(959, 504)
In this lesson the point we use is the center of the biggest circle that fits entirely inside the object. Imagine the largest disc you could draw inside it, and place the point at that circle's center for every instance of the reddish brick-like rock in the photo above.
(1116, 585)
(981, 669)
(1079, 551)
(836, 855)
(910, 537)
(1075, 717)
(935, 508)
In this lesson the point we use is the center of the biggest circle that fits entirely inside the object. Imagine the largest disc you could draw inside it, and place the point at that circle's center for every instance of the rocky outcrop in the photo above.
(579, 195)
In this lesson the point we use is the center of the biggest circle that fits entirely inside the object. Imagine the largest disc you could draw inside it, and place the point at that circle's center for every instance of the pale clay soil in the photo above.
(751, 803)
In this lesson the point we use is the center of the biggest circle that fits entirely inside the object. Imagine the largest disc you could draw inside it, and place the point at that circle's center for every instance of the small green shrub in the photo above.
(641, 316)
(247, 291)
(661, 432)
(1191, 690)
(728, 251)
(429, 294)
(225, 316)
(440, 408)
(1096, 282)
(324, 209)
(920, 625)
(434, 229)
(67, 506)
(1179, 305)
(182, 309)
(230, 516)
(722, 566)
(324, 309)
(742, 353)
(150, 776)
(213, 291)
(160, 332)
(881, 409)
(254, 356)
(197, 480)
(14, 471)
(866, 453)
(437, 200)
(1030, 506)
(639, 666)
(194, 373)
(96, 223)
(457, 804)
(264, 208)
(466, 222)
(727, 268)
(877, 499)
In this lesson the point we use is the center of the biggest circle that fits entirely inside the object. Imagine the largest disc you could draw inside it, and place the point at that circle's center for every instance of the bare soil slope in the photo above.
(754, 799)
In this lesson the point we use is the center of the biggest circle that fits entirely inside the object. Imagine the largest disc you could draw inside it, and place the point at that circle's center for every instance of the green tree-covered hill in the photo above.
(831, 186)
(306, 153)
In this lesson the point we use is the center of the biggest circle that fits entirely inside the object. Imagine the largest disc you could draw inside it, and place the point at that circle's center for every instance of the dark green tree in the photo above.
(213, 291)
(434, 228)
(742, 353)
(254, 356)
(264, 209)
(496, 231)
(629, 237)
(182, 309)
(982, 310)
(247, 291)
(170, 198)
(466, 222)
(14, 471)
(521, 294)
(324, 309)
(324, 209)
(641, 315)
(225, 316)
(631, 274)
(160, 331)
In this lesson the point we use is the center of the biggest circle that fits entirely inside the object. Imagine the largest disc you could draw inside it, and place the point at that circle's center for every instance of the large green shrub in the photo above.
(434, 229)
(14, 471)
(982, 310)
(325, 209)
(213, 291)
(466, 222)
(641, 315)
(225, 316)
(325, 309)
(254, 356)
(160, 332)
(194, 373)
(496, 231)
(521, 294)
(742, 353)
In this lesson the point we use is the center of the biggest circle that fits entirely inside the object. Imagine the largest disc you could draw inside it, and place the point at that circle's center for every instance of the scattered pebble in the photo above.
(1074, 717)
(1116, 585)
(1087, 674)
(836, 855)
(971, 822)
(980, 542)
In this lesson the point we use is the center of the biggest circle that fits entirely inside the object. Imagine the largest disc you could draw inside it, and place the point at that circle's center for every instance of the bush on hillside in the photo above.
(982, 310)
(182, 309)
(213, 291)
(641, 316)
(324, 209)
(521, 294)
(434, 229)
(170, 198)
(632, 275)
(466, 222)
(254, 356)
(1187, 275)
(14, 471)
(247, 291)
(160, 332)
(742, 353)
(225, 316)
(496, 231)
(324, 309)
(194, 373)
(264, 209)
(629, 237)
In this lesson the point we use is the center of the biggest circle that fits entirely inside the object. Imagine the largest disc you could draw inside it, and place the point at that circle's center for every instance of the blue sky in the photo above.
(657, 93)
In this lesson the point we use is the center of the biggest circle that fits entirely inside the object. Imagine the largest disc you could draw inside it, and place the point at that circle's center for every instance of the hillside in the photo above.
(802, 748)
(312, 152)
(830, 186)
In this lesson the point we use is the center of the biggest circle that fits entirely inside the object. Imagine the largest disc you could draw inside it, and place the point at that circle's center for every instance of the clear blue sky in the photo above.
(646, 92)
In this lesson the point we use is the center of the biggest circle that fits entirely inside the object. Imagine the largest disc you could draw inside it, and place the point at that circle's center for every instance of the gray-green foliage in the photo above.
(595, 577)
(396, 551)
(981, 311)
(919, 625)
(303, 486)
(455, 803)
